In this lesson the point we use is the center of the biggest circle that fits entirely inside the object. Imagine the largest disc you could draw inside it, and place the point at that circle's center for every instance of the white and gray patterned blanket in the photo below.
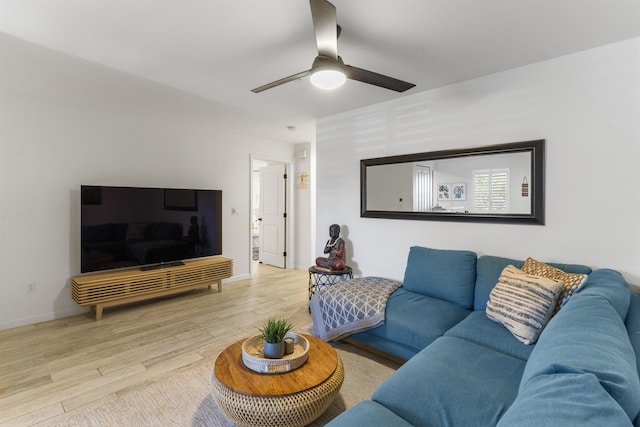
(350, 306)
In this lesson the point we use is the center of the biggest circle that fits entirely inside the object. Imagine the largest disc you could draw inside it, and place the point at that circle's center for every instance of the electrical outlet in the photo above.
(31, 287)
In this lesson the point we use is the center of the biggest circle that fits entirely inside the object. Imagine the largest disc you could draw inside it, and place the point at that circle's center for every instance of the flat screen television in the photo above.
(147, 227)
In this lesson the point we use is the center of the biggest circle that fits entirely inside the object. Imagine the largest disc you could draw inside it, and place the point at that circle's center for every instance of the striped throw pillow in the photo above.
(523, 303)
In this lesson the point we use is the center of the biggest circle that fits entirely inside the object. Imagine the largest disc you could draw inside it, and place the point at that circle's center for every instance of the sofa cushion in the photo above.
(490, 267)
(417, 320)
(449, 275)
(572, 281)
(479, 329)
(587, 336)
(523, 303)
(136, 231)
(452, 382)
(368, 413)
(610, 285)
(633, 325)
(566, 400)
(489, 271)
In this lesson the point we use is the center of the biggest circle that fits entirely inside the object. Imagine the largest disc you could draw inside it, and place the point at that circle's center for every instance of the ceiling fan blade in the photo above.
(325, 24)
(376, 79)
(282, 81)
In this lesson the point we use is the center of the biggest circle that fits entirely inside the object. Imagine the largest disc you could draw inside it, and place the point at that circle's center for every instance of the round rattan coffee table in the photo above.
(289, 399)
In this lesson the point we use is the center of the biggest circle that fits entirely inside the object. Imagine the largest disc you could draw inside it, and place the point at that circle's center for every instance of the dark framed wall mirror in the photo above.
(501, 183)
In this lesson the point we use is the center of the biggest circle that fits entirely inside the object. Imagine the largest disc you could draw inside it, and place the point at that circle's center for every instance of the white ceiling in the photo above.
(219, 50)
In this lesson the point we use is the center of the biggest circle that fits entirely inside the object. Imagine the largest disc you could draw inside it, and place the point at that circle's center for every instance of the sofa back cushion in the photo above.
(633, 326)
(449, 275)
(610, 285)
(489, 270)
(588, 337)
(567, 400)
(136, 231)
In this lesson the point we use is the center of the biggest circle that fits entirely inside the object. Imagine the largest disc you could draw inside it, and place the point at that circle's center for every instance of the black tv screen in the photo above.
(147, 227)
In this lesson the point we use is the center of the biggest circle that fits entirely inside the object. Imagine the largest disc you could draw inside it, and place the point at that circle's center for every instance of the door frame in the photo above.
(289, 203)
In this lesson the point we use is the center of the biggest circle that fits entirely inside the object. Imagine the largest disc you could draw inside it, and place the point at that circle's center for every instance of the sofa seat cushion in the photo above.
(416, 320)
(479, 329)
(452, 382)
(587, 336)
(567, 400)
(489, 270)
(449, 275)
(368, 413)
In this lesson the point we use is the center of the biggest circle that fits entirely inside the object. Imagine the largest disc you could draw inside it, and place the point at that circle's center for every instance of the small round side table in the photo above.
(320, 277)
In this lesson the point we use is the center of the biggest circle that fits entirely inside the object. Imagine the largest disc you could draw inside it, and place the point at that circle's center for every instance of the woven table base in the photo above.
(297, 409)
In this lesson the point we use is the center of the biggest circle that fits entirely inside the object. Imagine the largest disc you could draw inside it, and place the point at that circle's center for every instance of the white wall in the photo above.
(302, 209)
(390, 187)
(586, 106)
(67, 122)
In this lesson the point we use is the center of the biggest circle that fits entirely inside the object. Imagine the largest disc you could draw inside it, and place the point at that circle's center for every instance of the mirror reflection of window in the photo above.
(491, 190)
(421, 188)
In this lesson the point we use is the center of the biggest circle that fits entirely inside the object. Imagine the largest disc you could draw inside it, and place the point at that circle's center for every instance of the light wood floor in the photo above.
(69, 364)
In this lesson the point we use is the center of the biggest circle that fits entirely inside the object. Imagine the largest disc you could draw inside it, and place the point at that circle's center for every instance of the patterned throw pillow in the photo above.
(572, 281)
(523, 303)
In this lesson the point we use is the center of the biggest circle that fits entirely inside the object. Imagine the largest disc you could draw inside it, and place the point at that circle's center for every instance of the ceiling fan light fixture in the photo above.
(327, 73)
(328, 79)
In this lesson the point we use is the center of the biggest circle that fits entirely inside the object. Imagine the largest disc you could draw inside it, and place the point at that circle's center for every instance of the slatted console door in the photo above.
(109, 288)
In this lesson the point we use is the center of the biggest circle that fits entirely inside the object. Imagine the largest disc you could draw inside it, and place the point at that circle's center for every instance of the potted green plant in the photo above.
(273, 332)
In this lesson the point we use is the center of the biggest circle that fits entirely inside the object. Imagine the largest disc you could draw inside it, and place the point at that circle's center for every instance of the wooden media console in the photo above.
(109, 288)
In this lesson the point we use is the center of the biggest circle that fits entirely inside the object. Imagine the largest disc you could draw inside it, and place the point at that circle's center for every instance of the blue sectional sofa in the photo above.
(464, 369)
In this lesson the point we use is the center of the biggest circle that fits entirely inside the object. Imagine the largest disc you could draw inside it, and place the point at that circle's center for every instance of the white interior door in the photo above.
(272, 217)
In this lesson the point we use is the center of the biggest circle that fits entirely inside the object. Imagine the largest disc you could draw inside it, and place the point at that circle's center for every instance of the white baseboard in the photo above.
(236, 278)
(41, 318)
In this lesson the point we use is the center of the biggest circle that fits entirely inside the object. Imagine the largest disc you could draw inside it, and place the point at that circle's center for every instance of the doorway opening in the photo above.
(268, 213)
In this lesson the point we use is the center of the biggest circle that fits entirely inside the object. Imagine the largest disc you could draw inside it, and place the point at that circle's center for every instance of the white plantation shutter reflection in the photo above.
(491, 190)
(421, 188)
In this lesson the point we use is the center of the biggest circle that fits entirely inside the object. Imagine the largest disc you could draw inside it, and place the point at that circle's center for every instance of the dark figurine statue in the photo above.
(335, 249)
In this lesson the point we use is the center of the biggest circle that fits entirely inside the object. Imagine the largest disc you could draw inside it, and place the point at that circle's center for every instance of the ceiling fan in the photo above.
(328, 71)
